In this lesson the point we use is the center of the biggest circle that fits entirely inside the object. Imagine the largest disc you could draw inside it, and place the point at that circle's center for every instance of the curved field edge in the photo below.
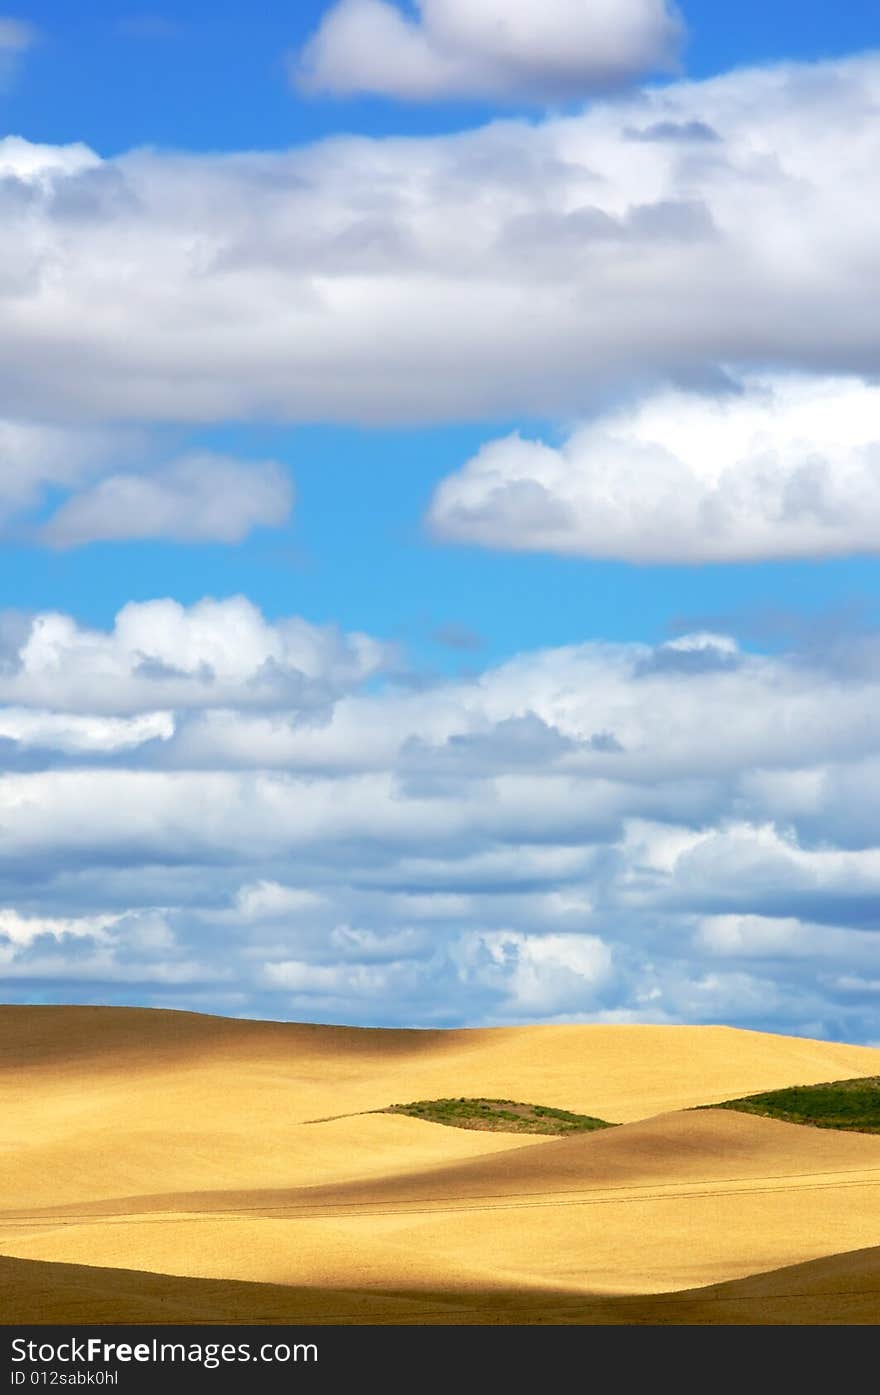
(499, 1116)
(850, 1105)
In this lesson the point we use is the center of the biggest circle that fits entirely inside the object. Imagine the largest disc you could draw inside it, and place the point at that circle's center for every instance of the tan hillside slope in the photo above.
(671, 1153)
(672, 1203)
(626, 1072)
(174, 1144)
(173, 1101)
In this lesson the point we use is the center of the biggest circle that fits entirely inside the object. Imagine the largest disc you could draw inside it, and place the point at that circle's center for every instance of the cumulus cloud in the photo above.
(561, 836)
(772, 467)
(537, 974)
(39, 166)
(508, 49)
(161, 655)
(518, 270)
(201, 497)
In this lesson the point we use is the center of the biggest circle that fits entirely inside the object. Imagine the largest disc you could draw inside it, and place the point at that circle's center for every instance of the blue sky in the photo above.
(445, 451)
(210, 76)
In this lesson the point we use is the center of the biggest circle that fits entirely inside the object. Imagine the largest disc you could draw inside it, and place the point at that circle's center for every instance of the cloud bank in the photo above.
(772, 468)
(515, 50)
(518, 270)
(563, 836)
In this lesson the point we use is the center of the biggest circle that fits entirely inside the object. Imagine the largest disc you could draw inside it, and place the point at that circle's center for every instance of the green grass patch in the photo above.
(499, 1116)
(839, 1104)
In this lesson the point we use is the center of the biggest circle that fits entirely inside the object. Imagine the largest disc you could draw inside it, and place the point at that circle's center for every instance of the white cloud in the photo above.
(173, 818)
(750, 934)
(135, 948)
(202, 497)
(782, 467)
(62, 731)
(161, 654)
(266, 900)
(23, 930)
(169, 815)
(540, 975)
(519, 270)
(746, 866)
(36, 457)
(40, 165)
(329, 980)
(510, 49)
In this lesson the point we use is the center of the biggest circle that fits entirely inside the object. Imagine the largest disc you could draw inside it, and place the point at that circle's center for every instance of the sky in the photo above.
(440, 511)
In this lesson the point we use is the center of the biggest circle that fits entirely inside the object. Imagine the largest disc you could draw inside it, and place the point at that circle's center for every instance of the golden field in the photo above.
(165, 1166)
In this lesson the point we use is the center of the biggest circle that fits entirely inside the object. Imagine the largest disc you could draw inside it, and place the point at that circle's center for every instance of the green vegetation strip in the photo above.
(840, 1104)
(500, 1116)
